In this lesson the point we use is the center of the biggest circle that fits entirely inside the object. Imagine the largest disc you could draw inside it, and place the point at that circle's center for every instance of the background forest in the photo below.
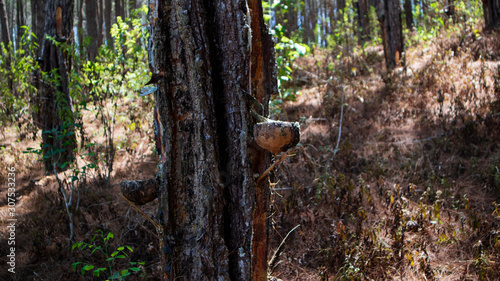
(397, 175)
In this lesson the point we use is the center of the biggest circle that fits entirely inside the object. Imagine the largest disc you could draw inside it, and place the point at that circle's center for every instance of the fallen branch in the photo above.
(276, 255)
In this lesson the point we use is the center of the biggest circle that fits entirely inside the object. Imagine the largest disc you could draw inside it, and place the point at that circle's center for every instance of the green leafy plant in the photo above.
(100, 245)
(16, 79)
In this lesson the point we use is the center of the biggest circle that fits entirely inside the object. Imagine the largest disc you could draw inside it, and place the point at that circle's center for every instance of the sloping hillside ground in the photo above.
(410, 193)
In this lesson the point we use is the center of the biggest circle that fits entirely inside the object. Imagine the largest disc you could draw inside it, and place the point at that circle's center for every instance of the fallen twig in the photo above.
(276, 255)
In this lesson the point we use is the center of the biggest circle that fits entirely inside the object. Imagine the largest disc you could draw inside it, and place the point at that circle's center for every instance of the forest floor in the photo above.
(409, 193)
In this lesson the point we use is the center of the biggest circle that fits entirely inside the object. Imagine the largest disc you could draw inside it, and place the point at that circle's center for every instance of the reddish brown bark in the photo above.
(389, 14)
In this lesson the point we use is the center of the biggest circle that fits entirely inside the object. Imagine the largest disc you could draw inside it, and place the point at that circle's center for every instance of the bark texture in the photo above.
(408, 6)
(38, 19)
(91, 13)
(54, 109)
(491, 9)
(389, 15)
(20, 20)
(5, 24)
(215, 226)
(108, 23)
(363, 21)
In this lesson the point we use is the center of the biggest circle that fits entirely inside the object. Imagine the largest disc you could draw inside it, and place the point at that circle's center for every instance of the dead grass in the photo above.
(411, 193)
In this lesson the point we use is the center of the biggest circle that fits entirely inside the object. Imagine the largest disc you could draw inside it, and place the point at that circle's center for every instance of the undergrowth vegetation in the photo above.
(412, 191)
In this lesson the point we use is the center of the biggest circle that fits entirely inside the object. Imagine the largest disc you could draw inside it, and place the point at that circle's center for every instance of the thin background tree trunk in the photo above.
(100, 21)
(107, 19)
(80, 25)
(5, 23)
(92, 27)
(392, 32)
(408, 14)
(118, 9)
(38, 20)
(20, 20)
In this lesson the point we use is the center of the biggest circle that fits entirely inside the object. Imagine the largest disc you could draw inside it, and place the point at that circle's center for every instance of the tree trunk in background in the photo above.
(9, 7)
(118, 9)
(38, 20)
(5, 24)
(107, 19)
(491, 9)
(389, 15)
(92, 28)
(363, 21)
(215, 227)
(309, 21)
(408, 6)
(20, 21)
(341, 5)
(53, 101)
(80, 26)
(450, 9)
(100, 20)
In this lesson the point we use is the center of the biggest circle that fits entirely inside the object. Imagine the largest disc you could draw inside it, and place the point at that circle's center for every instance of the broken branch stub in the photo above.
(140, 192)
(276, 136)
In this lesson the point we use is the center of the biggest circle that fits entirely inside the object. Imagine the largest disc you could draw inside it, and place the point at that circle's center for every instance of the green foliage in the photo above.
(117, 72)
(16, 79)
(113, 267)
(287, 51)
(345, 32)
(432, 20)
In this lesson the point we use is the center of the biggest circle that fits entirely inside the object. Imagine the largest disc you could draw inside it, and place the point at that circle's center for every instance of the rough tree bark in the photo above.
(91, 14)
(491, 9)
(118, 9)
(5, 24)
(80, 26)
(37, 19)
(100, 21)
(20, 20)
(54, 109)
(108, 23)
(363, 21)
(389, 16)
(213, 212)
(408, 14)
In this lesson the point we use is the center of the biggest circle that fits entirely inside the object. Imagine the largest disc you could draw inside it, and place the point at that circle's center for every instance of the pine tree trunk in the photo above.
(363, 21)
(20, 21)
(53, 101)
(5, 24)
(389, 15)
(213, 212)
(107, 19)
(80, 26)
(92, 27)
(118, 9)
(408, 14)
(100, 20)
(491, 10)
(38, 20)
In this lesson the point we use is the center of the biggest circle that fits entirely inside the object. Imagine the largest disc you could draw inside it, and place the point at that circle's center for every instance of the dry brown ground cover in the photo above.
(410, 193)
